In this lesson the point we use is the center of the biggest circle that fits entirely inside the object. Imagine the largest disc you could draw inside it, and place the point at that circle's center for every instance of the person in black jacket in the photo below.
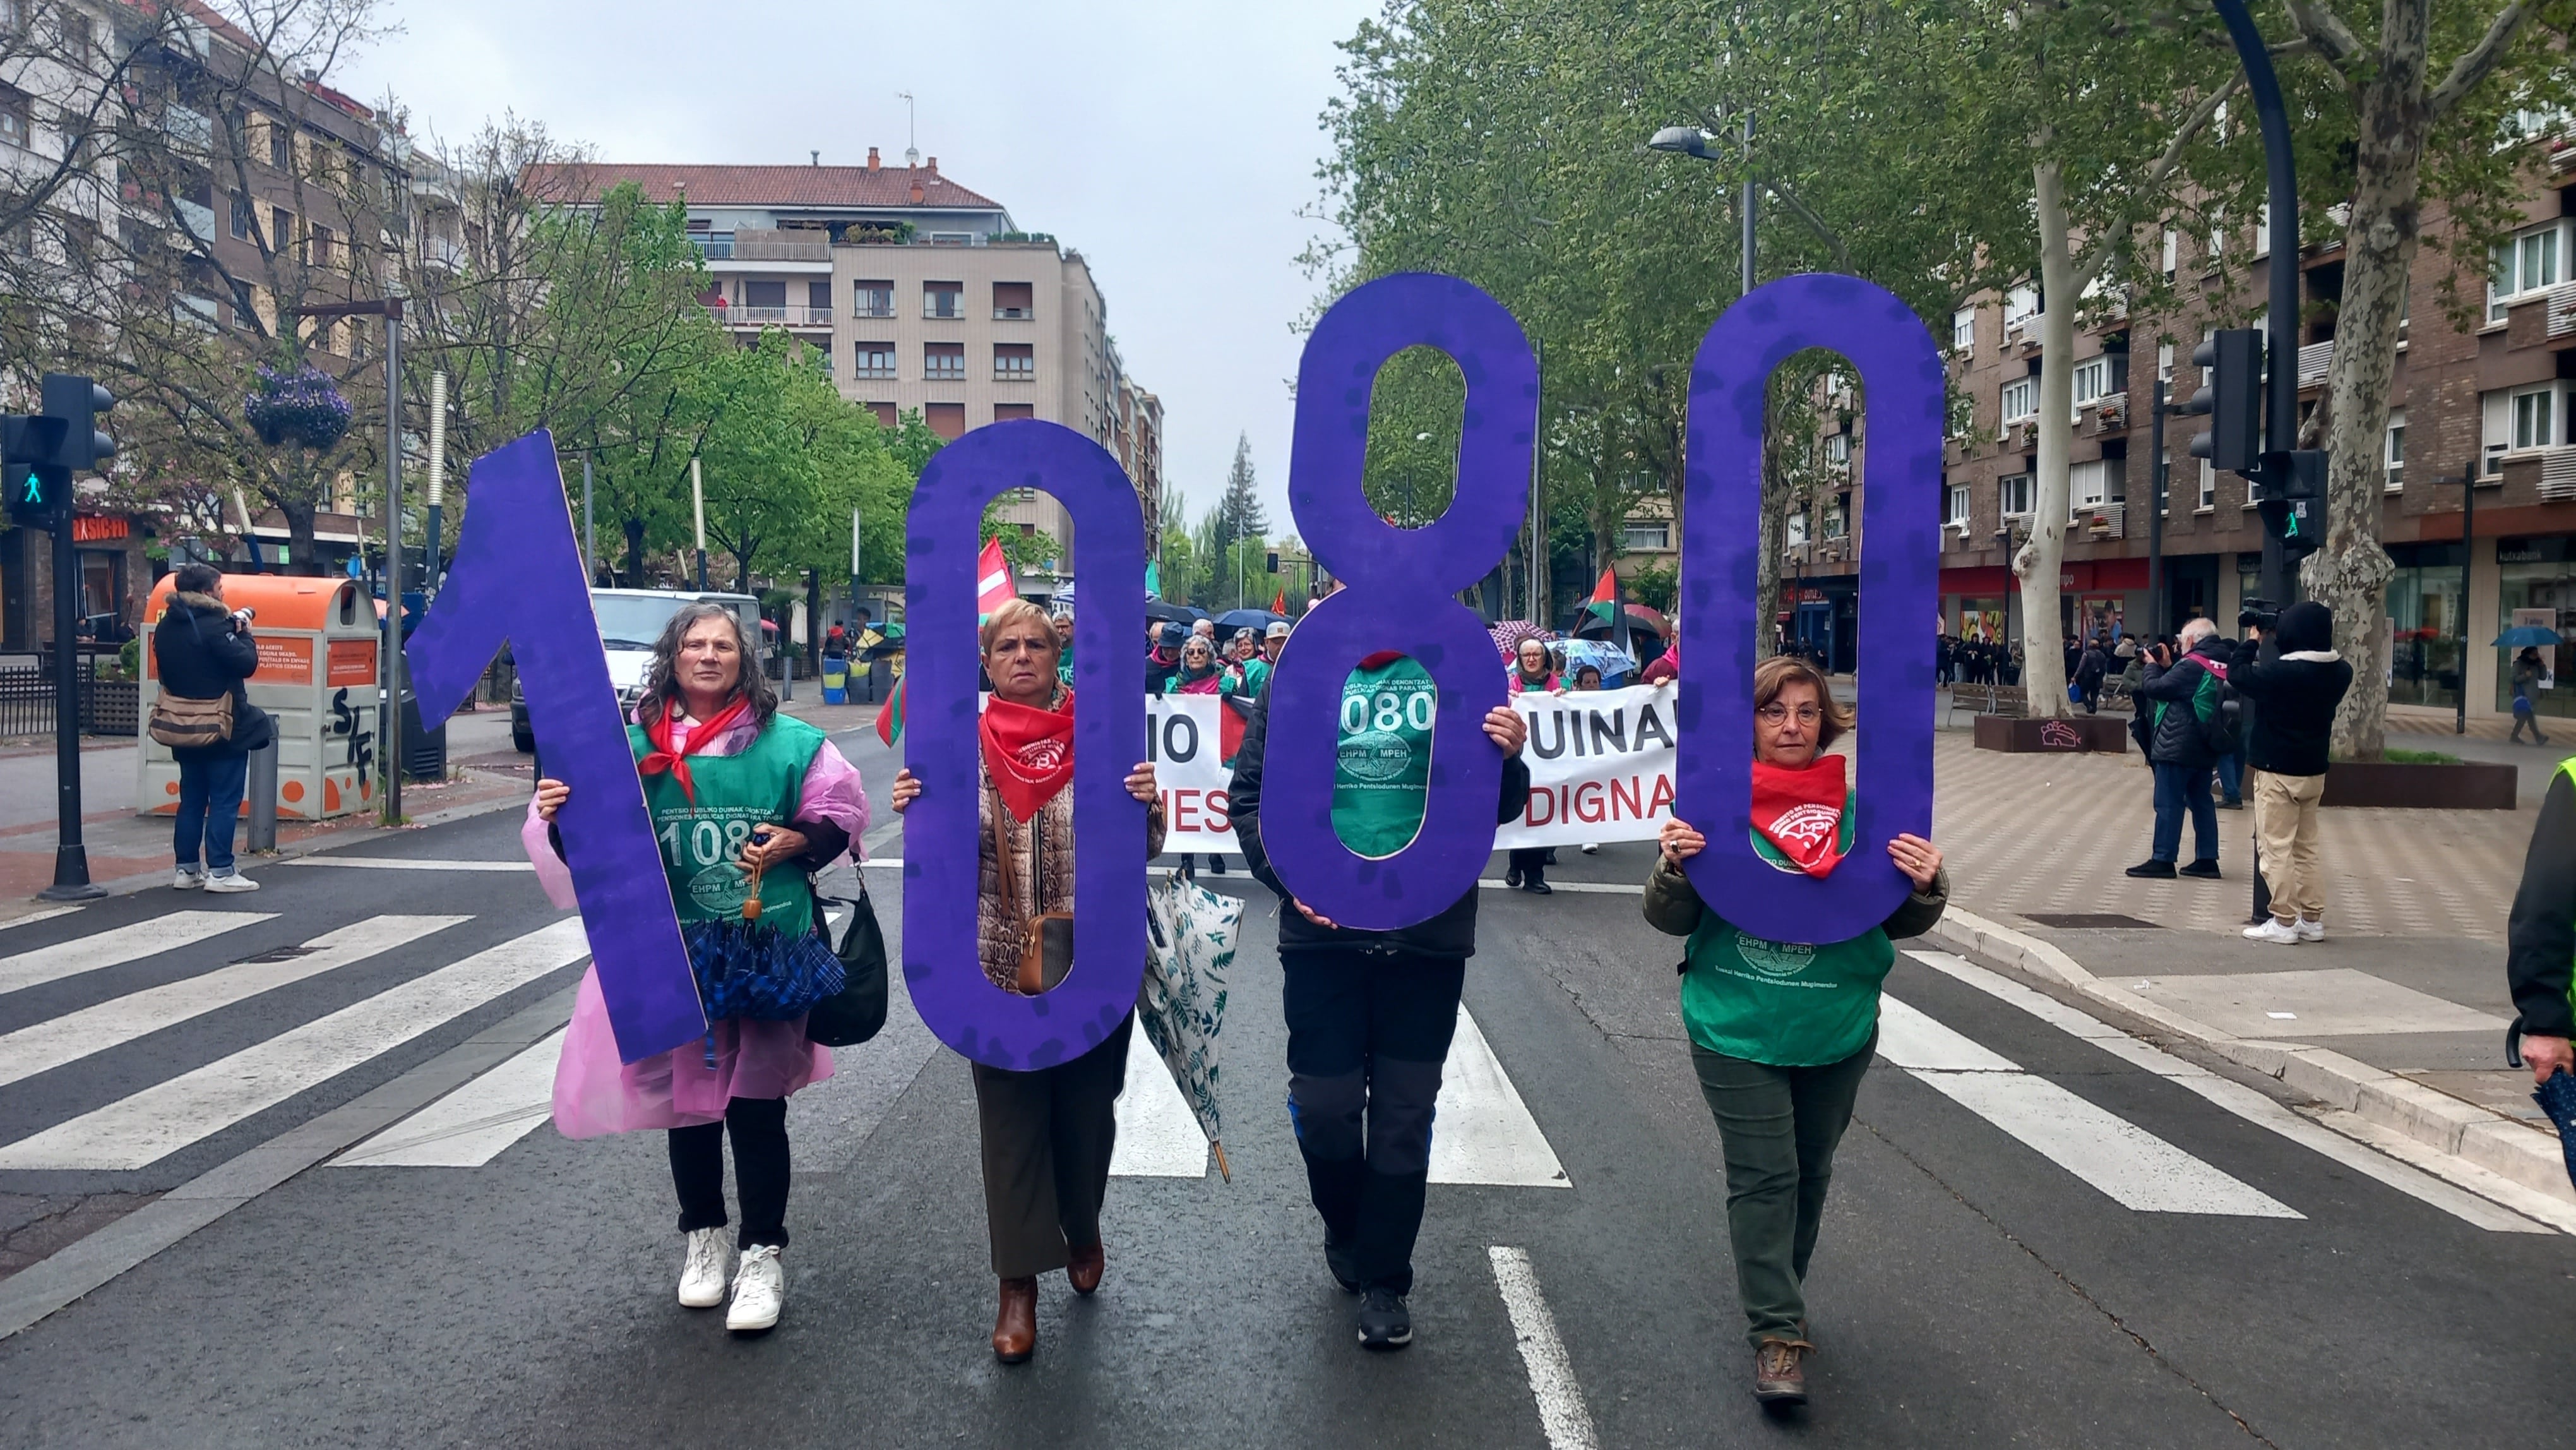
(1371, 1013)
(2540, 936)
(2294, 699)
(201, 651)
(2181, 698)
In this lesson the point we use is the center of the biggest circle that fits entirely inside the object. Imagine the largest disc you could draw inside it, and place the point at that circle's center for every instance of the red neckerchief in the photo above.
(1801, 811)
(701, 735)
(1381, 659)
(1028, 753)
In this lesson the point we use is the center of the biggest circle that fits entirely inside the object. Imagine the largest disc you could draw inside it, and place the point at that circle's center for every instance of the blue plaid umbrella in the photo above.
(2557, 1098)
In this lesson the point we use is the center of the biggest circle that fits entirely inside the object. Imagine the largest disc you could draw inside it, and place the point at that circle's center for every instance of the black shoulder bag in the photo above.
(858, 1011)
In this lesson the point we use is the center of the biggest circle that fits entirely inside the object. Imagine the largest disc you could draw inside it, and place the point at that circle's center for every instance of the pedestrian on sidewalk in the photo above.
(2090, 668)
(1532, 673)
(2185, 729)
(204, 651)
(716, 756)
(1047, 1135)
(2527, 674)
(1371, 1013)
(2294, 701)
(1781, 1032)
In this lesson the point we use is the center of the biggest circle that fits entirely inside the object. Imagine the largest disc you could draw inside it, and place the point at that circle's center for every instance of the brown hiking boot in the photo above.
(1779, 1376)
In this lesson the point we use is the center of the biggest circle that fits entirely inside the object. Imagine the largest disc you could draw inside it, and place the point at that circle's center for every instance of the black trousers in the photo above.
(759, 1127)
(1367, 1034)
(1531, 861)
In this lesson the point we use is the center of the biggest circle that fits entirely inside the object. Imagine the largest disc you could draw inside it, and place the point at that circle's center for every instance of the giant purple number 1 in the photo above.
(517, 578)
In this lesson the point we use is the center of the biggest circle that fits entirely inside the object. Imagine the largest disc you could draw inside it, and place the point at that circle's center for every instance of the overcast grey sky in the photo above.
(1171, 141)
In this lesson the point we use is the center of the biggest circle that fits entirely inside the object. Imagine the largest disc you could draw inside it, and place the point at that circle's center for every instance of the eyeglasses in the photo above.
(1776, 713)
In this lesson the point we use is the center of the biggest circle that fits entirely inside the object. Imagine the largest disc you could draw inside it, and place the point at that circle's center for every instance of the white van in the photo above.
(630, 620)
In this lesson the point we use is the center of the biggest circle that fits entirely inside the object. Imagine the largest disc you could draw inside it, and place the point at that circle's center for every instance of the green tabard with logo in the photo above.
(701, 843)
(1382, 770)
(1788, 1004)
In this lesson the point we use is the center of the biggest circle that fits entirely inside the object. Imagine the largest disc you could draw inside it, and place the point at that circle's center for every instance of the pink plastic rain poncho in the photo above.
(596, 1094)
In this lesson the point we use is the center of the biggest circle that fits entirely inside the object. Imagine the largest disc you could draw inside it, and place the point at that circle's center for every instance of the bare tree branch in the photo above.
(2331, 38)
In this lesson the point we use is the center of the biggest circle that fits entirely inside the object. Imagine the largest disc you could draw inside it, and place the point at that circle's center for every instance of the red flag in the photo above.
(1279, 602)
(1607, 591)
(993, 579)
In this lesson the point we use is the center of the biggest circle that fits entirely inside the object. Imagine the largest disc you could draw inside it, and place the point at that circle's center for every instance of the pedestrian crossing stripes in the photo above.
(1158, 1135)
(142, 1129)
(74, 1035)
(118, 945)
(2130, 1165)
(472, 1125)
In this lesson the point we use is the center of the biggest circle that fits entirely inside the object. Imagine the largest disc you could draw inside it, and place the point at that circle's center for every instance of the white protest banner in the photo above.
(1601, 767)
(1187, 737)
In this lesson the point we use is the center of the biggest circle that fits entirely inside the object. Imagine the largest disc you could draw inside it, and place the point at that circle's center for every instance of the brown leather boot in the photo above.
(1779, 1375)
(1084, 1267)
(1015, 1325)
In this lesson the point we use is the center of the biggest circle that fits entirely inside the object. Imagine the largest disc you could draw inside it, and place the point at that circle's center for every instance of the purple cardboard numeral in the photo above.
(1900, 373)
(517, 578)
(940, 832)
(1401, 595)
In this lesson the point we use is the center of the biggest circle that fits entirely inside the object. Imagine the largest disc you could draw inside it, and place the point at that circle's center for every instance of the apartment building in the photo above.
(2494, 401)
(921, 294)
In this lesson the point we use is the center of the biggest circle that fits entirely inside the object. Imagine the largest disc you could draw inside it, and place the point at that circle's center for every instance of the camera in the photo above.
(241, 617)
(2258, 614)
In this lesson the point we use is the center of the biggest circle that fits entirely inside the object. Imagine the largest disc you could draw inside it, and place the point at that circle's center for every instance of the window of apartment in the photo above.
(874, 360)
(1012, 303)
(1796, 531)
(943, 299)
(1955, 509)
(885, 414)
(2164, 493)
(1014, 362)
(2097, 483)
(1963, 330)
(2534, 413)
(281, 228)
(2021, 304)
(2208, 486)
(2020, 400)
(1002, 412)
(1838, 448)
(944, 362)
(1838, 517)
(2101, 377)
(13, 16)
(2394, 455)
(2164, 363)
(948, 420)
(1646, 535)
(320, 243)
(14, 128)
(2012, 491)
(2532, 261)
(79, 38)
(239, 206)
(2172, 252)
(764, 294)
(870, 297)
(952, 239)
(2263, 230)
(281, 145)
(818, 298)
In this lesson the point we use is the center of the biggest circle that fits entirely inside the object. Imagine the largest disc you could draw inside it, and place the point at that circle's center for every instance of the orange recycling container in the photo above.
(318, 678)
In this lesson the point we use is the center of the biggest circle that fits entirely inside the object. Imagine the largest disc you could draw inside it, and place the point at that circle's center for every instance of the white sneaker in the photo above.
(230, 881)
(186, 879)
(702, 1275)
(1590, 848)
(759, 1288)
(2276, 931)
(2309, 930)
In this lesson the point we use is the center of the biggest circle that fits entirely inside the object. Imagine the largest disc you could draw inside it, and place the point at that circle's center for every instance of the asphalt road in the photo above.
(1969, 1288)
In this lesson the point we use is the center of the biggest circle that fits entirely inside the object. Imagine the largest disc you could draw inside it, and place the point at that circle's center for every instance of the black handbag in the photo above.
(858, 1011)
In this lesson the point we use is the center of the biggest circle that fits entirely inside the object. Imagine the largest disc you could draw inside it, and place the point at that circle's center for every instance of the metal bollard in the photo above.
(261, 790)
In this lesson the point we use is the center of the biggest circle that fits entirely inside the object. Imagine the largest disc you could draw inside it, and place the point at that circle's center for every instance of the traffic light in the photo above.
(2231, 393)
(42, 452)
(76, 402)
(2294, 505)
(1271, 562)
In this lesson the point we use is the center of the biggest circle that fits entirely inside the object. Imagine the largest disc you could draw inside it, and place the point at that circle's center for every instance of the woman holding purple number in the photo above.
(1781, 1032)
(745, 803)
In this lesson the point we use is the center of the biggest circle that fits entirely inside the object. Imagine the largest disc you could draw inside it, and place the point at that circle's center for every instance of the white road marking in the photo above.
(1158, 1135)
(118, 945)
(47, 1045)
(391, 863)
(1483, 1132)
(473, 1124)
(2128, 1164)
(141, 1129)
(1551, 1375)
(42, 913)
(2253, 1106)
(1598, 888)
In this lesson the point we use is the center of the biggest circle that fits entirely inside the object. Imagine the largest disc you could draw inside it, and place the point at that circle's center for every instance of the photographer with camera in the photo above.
(2180, 699)
(202, 653)
(2294, 697)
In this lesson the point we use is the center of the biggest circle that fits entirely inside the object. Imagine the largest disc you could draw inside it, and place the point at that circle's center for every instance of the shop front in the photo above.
(2536, 585)
(2424, 616)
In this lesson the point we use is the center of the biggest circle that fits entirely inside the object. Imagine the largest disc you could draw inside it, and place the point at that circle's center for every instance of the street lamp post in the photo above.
(1692, 141)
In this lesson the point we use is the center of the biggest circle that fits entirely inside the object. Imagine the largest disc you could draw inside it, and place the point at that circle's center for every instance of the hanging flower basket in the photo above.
(299, 405)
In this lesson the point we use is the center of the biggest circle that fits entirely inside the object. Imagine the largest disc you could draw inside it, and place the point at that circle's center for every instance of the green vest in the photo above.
(1788, 1004)
(1382, 768)
(701, 843)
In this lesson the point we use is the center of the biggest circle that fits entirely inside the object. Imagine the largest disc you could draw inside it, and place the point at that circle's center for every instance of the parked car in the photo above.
(629, 621)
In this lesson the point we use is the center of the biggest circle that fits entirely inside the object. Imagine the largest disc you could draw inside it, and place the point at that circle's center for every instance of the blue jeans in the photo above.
(2231, 776)
(210, 798)
(2181, 787)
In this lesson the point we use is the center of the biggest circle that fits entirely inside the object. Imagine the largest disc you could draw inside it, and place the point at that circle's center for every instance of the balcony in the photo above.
(2555, 467)
(2102, 520)
(746, 245)
(2110, 416)
(2315, 360)
(1014, 314)
(746, 316)
(2543, 319)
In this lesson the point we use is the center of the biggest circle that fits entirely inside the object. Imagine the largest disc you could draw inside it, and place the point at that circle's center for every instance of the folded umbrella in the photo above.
(1190, 933)
(2557, 1098)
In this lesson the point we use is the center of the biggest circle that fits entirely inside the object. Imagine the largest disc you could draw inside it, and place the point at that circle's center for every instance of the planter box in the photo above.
(2108, 734)
(2466, 787)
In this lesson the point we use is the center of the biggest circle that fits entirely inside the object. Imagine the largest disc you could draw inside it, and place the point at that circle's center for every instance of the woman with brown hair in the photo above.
(1781, 1032)
(1047, 1134)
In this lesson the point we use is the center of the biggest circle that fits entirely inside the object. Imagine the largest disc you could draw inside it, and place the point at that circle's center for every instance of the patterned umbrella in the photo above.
(1509, 634)
(1191, 934)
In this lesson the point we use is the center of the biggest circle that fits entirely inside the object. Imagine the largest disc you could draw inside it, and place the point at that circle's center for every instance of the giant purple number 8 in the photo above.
(1401, 594)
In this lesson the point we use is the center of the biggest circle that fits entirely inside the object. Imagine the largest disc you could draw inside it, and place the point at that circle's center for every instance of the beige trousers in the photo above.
(2285, 821)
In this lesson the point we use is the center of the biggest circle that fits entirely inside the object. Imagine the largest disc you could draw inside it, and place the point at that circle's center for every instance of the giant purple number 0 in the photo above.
(1900, 374)
(1401, 594)
(940, 830)
(517, 578)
